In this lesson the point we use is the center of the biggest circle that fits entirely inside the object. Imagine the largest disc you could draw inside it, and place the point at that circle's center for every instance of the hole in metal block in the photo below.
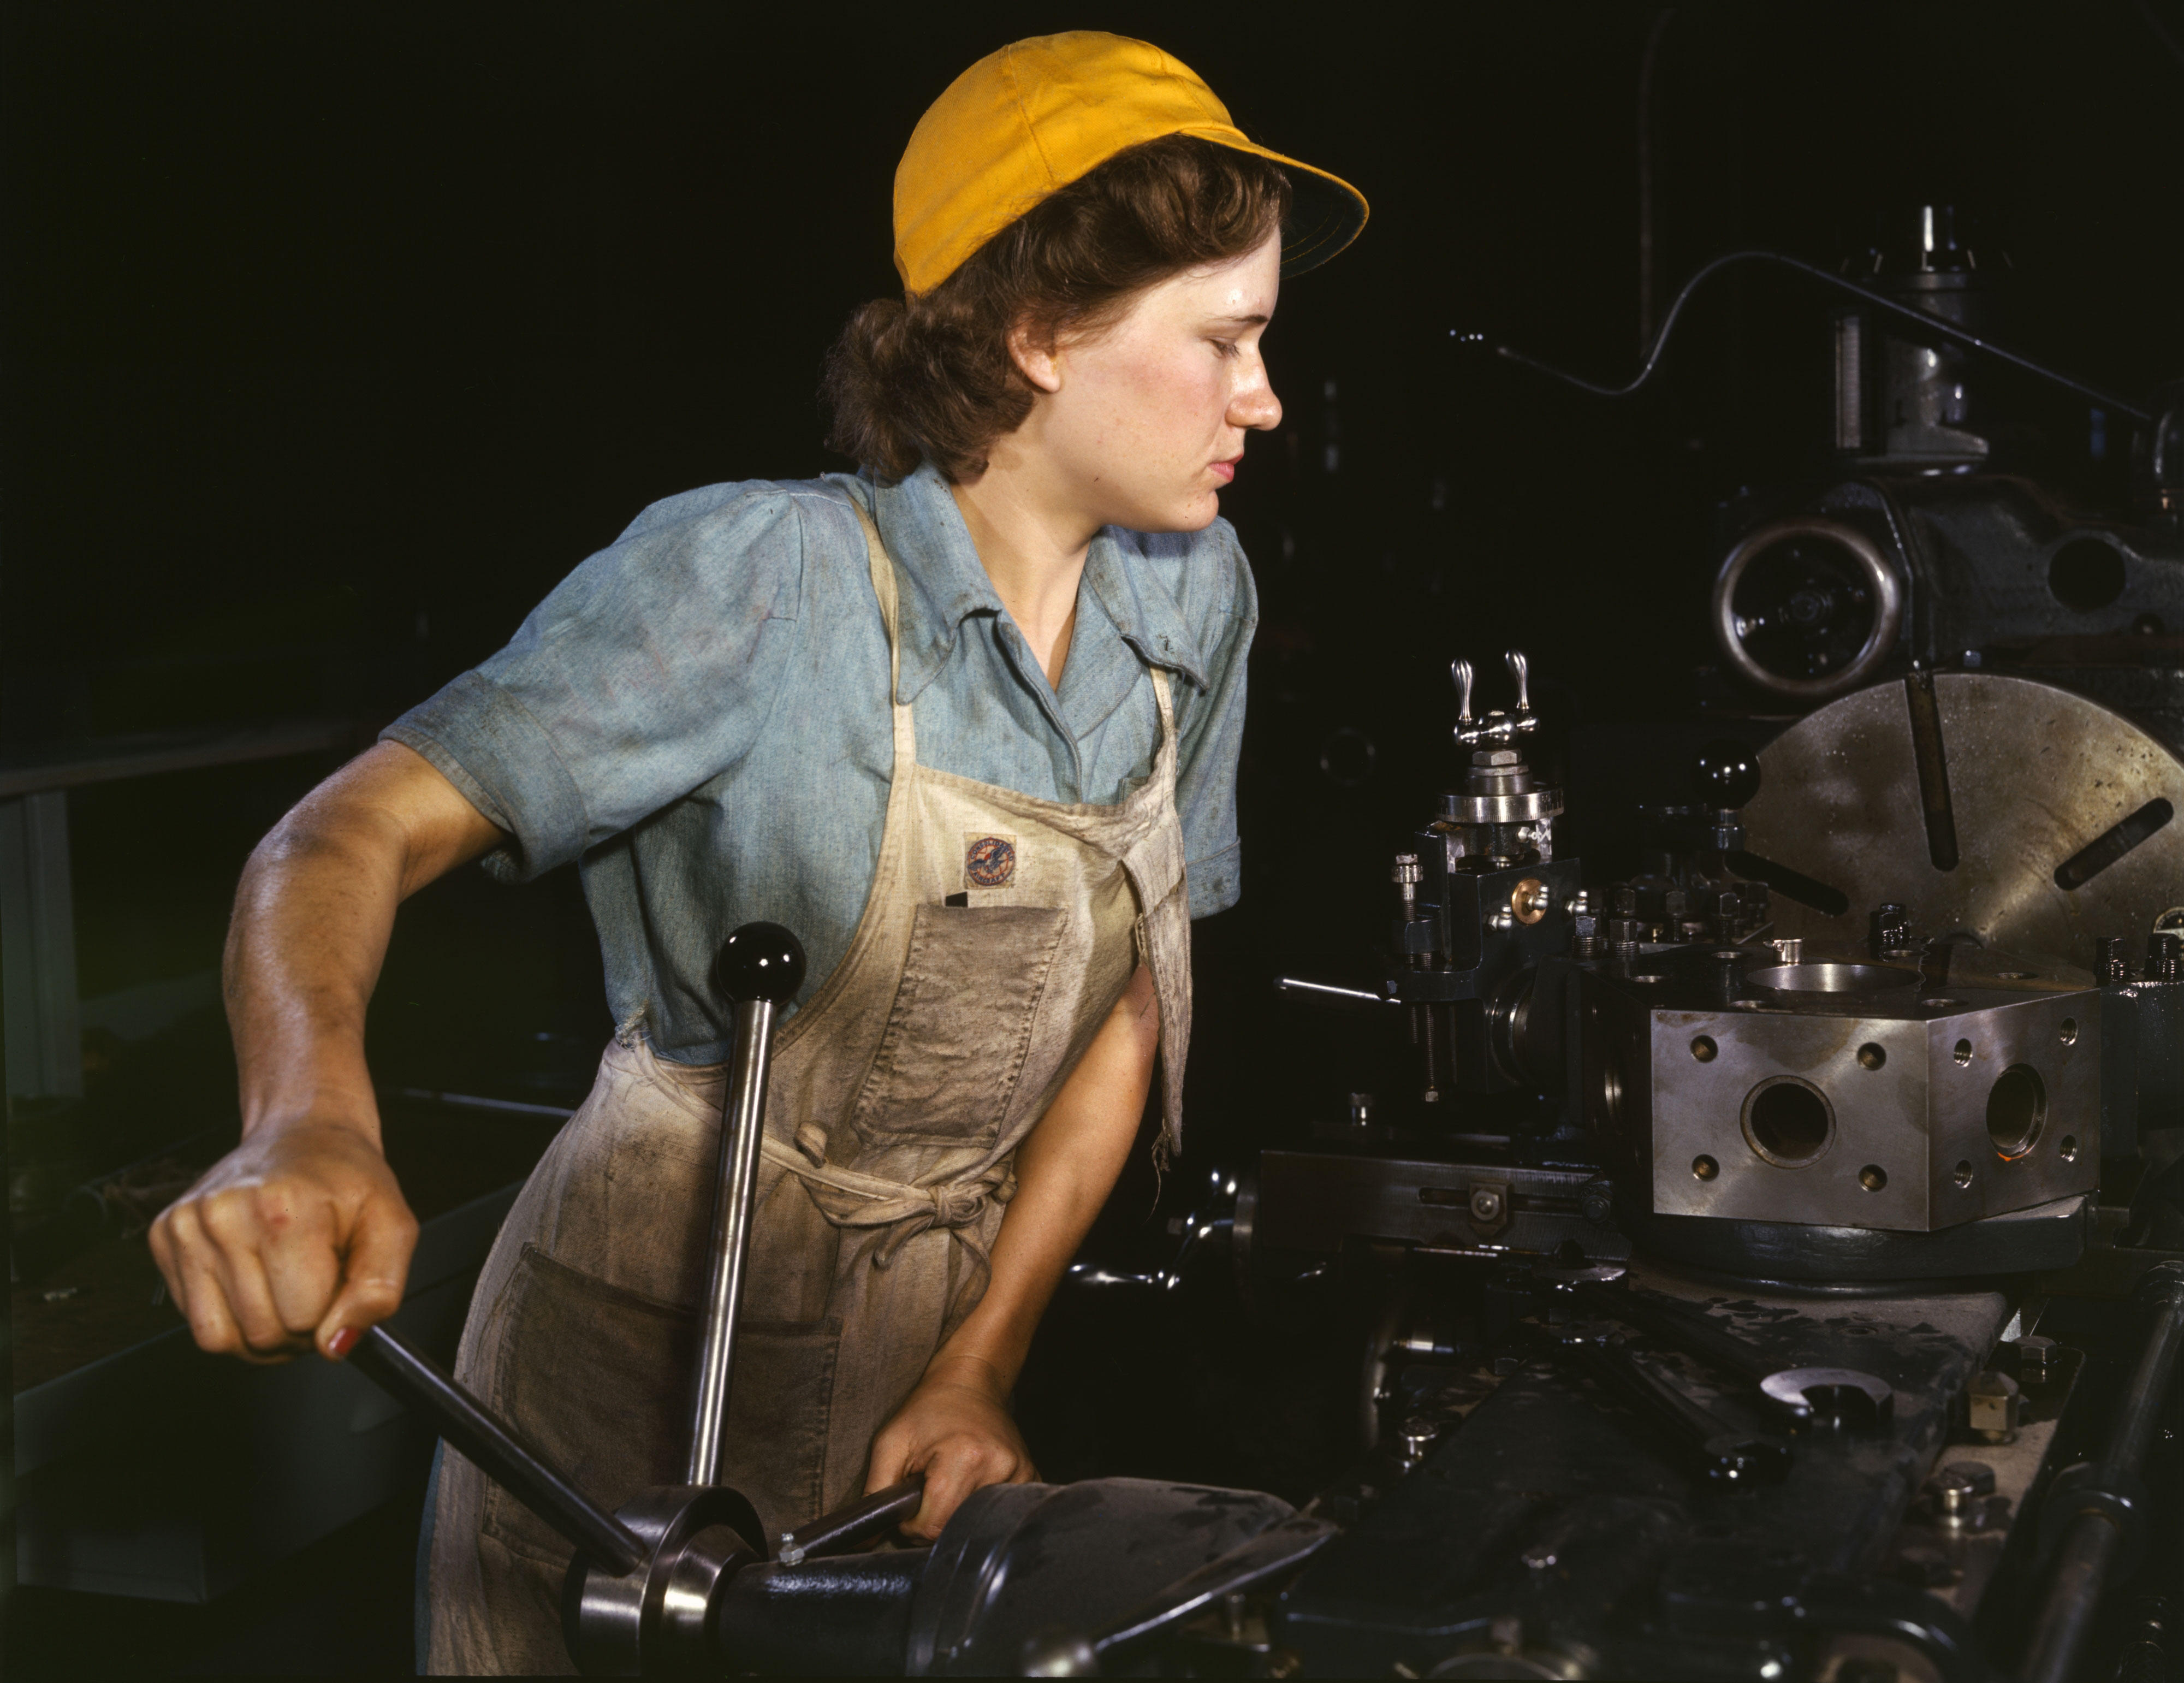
(1704, 1168)
(1962, 1173)
(1703, 1048)
(2068, 1150)
(1872, 1057)
(1873, 1177)
(2070, 1031)
(1964, 1053)
(2016, 1110)
(1788, 1122)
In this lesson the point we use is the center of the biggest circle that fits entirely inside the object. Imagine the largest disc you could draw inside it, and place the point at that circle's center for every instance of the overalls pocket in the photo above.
(600, 1378)
(956, 1039)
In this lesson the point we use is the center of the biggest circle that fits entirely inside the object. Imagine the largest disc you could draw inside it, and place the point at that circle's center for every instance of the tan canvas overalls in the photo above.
(1001, 931)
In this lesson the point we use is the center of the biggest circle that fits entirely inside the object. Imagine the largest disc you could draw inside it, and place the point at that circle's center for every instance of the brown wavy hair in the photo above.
(930, 375)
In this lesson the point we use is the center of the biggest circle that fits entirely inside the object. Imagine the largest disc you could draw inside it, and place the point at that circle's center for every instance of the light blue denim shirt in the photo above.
(699, 715)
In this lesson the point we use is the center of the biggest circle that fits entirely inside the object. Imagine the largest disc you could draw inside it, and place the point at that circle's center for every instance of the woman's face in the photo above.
(1142, 425)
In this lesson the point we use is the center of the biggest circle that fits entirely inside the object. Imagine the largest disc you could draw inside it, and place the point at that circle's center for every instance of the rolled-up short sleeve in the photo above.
(649, 670)
(1212, 733)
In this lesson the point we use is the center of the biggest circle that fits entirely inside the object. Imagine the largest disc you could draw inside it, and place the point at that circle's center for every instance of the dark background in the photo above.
(334, 335)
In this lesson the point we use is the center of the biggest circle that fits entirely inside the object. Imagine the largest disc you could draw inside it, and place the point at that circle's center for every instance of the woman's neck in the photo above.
(1033, 546)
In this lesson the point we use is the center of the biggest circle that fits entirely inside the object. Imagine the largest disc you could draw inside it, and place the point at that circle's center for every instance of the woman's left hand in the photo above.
(956, 1430)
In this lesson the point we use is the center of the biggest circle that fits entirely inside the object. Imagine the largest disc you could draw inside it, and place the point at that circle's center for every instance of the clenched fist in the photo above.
(298, 1236)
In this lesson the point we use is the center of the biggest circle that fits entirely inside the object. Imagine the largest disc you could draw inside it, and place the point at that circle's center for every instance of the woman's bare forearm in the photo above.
(300, 1235)
(1066, 1168)
(313, 914)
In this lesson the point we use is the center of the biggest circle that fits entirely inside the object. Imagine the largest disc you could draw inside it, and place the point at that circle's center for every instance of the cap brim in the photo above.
(1326, 213)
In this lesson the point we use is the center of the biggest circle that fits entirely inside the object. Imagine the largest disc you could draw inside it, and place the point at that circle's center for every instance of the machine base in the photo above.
(2046, 1237)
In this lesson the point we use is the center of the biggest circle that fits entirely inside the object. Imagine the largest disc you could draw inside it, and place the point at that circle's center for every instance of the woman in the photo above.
(967, 723)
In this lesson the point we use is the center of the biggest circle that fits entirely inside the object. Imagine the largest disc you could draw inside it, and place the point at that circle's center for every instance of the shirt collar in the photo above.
(942, 583)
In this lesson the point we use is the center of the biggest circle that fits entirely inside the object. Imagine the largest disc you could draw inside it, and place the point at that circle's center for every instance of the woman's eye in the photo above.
(1224, 348)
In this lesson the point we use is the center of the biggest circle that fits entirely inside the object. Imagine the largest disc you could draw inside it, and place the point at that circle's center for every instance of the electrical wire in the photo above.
(1938, 326)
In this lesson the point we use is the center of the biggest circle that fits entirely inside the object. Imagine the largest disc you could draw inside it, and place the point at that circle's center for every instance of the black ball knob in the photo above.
(759, 961)
(1726, 773)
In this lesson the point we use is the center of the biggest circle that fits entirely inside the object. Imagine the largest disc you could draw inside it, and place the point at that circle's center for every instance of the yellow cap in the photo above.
(1023, 123)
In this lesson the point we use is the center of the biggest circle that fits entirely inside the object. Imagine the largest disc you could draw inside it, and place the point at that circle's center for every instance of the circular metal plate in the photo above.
(2035, 775)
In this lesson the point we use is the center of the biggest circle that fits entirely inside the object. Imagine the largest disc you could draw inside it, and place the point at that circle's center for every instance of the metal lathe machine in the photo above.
(1775, 1268)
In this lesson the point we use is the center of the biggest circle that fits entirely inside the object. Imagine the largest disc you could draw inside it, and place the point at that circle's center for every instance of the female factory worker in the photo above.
(967, 723)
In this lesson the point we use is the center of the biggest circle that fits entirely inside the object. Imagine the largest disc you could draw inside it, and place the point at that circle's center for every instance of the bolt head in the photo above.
(1486, 1204)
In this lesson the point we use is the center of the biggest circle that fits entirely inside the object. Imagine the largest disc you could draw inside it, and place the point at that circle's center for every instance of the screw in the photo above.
(2035, 1357)
(1485, 1204)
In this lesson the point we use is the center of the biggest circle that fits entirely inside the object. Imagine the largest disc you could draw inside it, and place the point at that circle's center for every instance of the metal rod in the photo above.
(846, 1527)
(1292, 984)
(2090, 1546)
(2139, 1414)
(397, 1368)
(743, 1120)
(2074, 1596)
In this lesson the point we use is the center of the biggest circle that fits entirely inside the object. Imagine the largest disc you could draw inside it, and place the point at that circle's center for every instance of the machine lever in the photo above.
(846, 1528)
(760, 968)
(397, 1368)
(1520, 671)
(1496, 728)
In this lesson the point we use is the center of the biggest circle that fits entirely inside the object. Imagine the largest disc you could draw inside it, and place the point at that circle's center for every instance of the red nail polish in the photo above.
(342, 1342)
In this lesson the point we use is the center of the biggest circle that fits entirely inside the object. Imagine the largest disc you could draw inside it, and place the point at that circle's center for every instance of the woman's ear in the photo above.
(1039, 363)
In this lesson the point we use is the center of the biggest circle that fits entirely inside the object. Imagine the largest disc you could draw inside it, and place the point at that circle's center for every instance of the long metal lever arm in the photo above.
(399, 1368)
(743, 1120)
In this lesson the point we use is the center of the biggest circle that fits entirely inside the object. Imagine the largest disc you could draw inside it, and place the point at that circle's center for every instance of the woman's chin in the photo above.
(1193, 513)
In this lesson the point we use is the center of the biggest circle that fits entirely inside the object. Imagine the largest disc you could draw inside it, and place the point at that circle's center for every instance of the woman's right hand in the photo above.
(298, 1236)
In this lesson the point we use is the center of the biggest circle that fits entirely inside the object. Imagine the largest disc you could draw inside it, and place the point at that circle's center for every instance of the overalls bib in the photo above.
(999, 932)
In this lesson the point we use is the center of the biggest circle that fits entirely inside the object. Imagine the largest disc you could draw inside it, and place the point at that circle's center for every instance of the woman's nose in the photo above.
(1255, 406)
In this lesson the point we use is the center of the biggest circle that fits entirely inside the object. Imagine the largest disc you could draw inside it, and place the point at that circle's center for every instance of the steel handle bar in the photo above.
(405, 1372)
(846, 1527)
(743, 1123)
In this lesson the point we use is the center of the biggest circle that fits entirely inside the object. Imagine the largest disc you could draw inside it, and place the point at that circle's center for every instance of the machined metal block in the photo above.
(1866, 1103)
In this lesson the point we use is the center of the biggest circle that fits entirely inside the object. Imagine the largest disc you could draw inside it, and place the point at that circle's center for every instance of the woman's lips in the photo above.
(1226, 471)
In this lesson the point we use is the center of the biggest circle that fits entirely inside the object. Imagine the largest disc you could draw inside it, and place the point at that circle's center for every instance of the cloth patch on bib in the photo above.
(989, 861)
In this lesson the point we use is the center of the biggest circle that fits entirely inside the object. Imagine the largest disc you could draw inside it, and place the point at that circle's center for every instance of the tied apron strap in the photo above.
(848, 1199)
